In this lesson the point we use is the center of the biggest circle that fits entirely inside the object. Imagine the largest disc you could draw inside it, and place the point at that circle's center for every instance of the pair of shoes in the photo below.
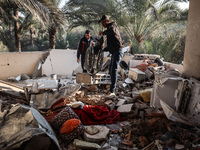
(111, 95)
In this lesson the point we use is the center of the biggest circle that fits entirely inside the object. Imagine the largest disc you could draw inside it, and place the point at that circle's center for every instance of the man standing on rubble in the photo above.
(114, 46)
(84, 43)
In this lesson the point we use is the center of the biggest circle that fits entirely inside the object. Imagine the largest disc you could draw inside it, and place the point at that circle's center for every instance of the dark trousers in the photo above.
(114, 63)
(82, 63)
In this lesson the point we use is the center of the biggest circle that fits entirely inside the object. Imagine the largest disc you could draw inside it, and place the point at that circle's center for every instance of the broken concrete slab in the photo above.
(125, 108)
(92, 130)
(129, 81)
(43, 83)
(129, 100)
(25, 76)
(15, 79)
(12, 90)
(84, 78)
(115, 128)
(121, 102)
(110, 104)
(85, 145)
(100, 136)
(136, 75)
(106, 146)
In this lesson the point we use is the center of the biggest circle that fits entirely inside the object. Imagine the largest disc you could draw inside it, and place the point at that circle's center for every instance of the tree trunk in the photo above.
(31, 35)
(191, 65)
(16, 29)
(10, 29)
(52, 34)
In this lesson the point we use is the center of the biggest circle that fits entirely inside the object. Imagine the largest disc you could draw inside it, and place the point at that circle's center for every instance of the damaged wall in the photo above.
(15, 63)
(60, 62)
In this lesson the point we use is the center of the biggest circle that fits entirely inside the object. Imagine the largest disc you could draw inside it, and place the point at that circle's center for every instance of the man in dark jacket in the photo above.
(114, 46)
(84, 43)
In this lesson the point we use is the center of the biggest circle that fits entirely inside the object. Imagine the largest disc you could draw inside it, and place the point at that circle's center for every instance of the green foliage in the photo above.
(3, 48)
(32, 48)
(61, 42)
(171, 47)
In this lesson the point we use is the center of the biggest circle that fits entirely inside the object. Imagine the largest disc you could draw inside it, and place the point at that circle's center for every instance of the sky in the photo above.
(182, 5)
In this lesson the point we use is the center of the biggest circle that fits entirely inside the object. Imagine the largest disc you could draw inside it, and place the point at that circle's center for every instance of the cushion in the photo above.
(57, 122)
(69, 126)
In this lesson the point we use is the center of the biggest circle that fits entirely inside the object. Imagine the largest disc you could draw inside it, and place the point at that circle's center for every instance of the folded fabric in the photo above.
(95, 115)
(69, 126)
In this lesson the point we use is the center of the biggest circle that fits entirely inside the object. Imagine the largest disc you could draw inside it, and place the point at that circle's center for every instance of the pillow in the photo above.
(57, 122)
(69, 126)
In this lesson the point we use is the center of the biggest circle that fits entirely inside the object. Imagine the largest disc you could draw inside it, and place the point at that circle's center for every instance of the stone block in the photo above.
(110, 104)
(83, 78)
(125, 108)
(136, 75)
(121, 102)
(100, 136)
(85, 145)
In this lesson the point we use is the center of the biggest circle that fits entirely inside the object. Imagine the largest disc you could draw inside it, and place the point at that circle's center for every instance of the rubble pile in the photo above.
(151, 110)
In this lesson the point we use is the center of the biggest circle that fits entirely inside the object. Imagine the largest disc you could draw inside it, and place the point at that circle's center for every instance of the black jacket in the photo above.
(114, 40)
(83, 45)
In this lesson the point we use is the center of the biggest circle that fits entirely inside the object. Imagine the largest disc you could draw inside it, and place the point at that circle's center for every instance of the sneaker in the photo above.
(111, 95)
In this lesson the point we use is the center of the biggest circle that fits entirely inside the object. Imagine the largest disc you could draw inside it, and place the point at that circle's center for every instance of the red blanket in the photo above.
(95, 115)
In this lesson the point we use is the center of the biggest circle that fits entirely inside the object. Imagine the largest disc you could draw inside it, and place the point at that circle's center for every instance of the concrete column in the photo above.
(191, 66)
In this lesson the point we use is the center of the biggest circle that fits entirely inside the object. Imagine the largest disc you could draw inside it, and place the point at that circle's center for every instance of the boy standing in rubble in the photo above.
(84, 43)
(114, 46)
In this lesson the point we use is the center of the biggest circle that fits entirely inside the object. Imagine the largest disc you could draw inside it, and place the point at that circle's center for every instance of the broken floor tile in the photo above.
(106, 146)
(110, 104)
(114, 127)
(129, 100)
(125, 108)
(100, 136)
(121, 102)
(85, 145)
(129, 81)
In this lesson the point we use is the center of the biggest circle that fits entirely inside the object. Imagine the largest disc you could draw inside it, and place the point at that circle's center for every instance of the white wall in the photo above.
(15, 63)
(60, 62)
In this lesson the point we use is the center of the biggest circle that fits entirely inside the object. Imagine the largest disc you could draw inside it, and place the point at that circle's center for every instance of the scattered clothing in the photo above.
(95, 115)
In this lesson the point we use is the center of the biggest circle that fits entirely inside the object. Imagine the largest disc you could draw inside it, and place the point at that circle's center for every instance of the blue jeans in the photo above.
(114, 63)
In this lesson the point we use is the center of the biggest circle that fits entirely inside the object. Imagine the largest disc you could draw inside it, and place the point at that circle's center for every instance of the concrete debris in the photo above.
(136, 75)
(15, 79)
(158, 108)
(127, 108)
(129, 81)
(92, 130)
(110, 104)
(121, 102)
(39, 64)
(17, 130)
(102, 135)
(25, 76)
(85, 145)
